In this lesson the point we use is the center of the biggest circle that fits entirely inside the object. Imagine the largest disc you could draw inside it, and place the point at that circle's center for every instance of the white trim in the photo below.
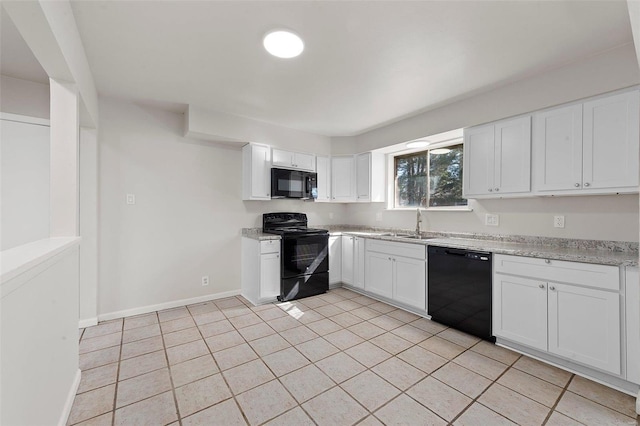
(24, 119)
(23, 261)
(64, 416)
(167, 305)
(89, 322)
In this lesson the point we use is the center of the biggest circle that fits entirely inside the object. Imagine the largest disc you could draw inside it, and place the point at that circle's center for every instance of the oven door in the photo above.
(304, 255)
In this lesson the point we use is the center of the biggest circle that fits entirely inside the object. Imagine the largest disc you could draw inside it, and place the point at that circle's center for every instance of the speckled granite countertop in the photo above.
(587, 251)
(257, 234)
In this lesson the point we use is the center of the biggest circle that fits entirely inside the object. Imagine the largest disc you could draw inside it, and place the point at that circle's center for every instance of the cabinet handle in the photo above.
(277, 256)
(577, 185)
(541, 285)
(586, 184)
(389, 258)
(552, 288)
(490, 190)
(547, 261)
(497, 189)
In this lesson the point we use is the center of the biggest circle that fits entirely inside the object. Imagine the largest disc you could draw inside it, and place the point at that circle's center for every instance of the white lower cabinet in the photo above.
(359, 245)
(270, 275)
(260, 270)
(584, 325)
(573, 320)
(379, 275)
(397, 271)
(409, 282)
(335, 259)
(520, 310)
(347, 259)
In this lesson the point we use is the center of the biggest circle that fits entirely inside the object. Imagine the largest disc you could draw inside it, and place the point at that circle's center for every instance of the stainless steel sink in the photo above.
(412, 237)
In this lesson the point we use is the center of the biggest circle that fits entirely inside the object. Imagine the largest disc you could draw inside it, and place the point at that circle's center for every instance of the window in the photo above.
(431, 178)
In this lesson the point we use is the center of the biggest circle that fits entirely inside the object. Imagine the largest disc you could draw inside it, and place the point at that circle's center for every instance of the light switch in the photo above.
(131, 199)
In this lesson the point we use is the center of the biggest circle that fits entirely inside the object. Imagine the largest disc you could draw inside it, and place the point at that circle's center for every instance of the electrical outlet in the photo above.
(558, 221)
(492, 220)
(205, 280)
(379, 217)
(131, 198)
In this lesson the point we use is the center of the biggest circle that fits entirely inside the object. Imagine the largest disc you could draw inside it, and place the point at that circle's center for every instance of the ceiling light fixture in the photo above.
(417, 144)
(283, 44)
(438, 151)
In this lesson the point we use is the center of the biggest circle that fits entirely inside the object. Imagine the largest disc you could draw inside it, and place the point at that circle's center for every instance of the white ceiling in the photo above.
(16, 59)
(365, 64)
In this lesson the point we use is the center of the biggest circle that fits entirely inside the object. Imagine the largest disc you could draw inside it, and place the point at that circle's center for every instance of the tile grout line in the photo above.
(553, 409)
(476, 399)
(233, 396)
(166, 357)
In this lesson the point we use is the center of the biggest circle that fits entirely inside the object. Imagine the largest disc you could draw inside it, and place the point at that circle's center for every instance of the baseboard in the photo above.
(84, 323)
(334, 286)
(64, 417)
(168, 305)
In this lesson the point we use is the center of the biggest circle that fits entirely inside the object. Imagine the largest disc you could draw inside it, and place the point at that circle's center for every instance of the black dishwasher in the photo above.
(459, 290)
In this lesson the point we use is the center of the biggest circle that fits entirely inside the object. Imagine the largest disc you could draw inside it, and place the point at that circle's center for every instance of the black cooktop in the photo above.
(288, 224)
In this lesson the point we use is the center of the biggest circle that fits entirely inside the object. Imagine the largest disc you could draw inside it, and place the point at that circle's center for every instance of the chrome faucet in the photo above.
(418, 221)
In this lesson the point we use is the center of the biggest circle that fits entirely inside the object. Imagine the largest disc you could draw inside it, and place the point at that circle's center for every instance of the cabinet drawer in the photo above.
(599, 276)
(269, 246)
(415, 251)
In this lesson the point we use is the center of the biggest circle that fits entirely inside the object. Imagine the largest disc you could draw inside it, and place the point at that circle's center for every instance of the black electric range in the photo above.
(304, 266)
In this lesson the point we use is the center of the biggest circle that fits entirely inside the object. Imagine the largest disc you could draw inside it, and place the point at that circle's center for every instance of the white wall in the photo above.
(611, 70)
(188, 214)
(39, 352)
(88, 226)
(610, 217)
(24, 178)
(24, 97)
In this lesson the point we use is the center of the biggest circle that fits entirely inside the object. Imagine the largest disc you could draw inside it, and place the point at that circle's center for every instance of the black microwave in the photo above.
(294, 184)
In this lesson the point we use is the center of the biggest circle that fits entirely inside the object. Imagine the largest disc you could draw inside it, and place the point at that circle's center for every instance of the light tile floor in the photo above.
(336, 359)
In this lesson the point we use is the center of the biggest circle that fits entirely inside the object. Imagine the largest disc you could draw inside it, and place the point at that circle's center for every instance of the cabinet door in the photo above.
(409, 282)
(520, 310)
(557, 147)
(363, 177)
(347, 259)
(512, 172)
(260, 172)
(335, 259)
(358, 257)
(379, 274)
(478, 159)
(584, 326)
(304, 161)
(269, 275)
(610, 141)
(282, 158)
(343, 179)
(324, 179)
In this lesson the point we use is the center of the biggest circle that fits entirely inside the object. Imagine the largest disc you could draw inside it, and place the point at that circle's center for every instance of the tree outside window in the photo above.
(431, 178)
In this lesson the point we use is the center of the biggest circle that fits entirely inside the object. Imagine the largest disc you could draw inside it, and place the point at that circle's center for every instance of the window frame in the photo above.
(391, 172)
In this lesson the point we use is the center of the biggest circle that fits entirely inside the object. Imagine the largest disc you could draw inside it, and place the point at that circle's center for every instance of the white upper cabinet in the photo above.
(294, 160)
(497, 159)
(557, 147)
(343, 179)
(610, 142)
(323, 166)
(590, 147)
(370, 177)
(256, 170)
